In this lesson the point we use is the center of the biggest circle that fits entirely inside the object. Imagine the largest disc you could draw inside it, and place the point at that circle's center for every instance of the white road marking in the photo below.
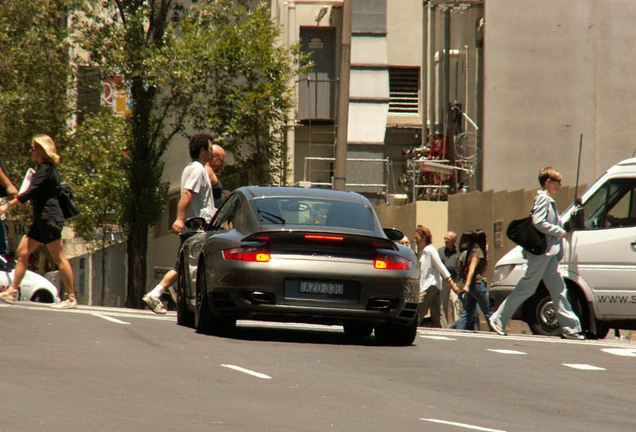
(510, 352)
(247, 371)
(111, 319)
(437, 338)
(461, 425)
(580, 366)
(621, 351)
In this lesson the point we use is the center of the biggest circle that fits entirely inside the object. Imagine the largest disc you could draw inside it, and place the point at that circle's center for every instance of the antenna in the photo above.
(578, 170)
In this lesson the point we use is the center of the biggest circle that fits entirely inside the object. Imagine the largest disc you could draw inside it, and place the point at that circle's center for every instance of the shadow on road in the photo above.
(292, 335)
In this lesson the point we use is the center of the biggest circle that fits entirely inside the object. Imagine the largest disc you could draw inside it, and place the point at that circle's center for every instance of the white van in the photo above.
(599, 263)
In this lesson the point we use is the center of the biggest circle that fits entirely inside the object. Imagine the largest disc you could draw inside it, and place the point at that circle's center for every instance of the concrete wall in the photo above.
(491, 211)
(555, 69)
(431, 214)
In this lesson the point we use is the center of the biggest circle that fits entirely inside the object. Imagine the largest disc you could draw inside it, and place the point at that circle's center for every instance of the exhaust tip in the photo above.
(262, 297)
(379, 304)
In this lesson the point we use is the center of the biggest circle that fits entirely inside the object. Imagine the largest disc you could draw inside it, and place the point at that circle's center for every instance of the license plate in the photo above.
(309, 287)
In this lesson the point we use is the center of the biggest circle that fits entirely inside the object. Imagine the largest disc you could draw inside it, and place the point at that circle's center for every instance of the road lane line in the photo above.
(508, 352)
(583, 367)
(247, 371)
(437, 338)
(111, 319)
(461, 425)
(621, 352)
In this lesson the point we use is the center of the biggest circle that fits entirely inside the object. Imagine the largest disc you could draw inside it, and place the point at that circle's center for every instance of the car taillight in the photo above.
(250, 254)
(390, 262)
(323, 237)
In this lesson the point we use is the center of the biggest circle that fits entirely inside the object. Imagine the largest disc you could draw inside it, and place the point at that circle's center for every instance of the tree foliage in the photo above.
(35, 76)
(214, 66)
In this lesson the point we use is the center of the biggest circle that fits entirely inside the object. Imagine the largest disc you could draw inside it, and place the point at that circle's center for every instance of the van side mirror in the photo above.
(577, 219)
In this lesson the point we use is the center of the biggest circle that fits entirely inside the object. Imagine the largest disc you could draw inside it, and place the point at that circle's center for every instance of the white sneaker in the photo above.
(496, 327)
(9, 296)
(155, 305)
(69, 303)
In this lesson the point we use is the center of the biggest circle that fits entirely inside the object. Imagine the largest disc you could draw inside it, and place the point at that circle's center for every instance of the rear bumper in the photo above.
(262, 292)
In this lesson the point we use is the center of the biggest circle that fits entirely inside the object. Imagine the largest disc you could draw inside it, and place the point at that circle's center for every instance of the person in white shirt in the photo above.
(432, 273)
(196, 200)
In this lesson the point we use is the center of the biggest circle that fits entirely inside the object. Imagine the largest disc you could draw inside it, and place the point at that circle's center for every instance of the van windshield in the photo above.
(612, 205)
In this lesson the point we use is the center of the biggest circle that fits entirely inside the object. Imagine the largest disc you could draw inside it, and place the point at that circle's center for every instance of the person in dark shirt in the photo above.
(48, 221)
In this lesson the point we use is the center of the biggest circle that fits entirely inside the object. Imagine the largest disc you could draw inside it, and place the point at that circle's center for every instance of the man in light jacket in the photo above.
(543, 267)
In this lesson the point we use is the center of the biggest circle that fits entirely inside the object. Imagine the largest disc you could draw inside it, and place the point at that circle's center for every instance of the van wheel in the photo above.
(540, 315)
(580, 307)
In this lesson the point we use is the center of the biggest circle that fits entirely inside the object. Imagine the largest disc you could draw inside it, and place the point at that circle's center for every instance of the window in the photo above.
(613, 205)
(301, 211)
(404, 85)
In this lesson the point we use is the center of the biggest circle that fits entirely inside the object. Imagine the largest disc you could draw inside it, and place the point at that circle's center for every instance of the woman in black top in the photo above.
(48, 221)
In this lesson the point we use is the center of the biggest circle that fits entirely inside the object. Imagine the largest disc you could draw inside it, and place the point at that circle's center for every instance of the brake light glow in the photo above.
(247, 254)
(323, 237)
(390, 262)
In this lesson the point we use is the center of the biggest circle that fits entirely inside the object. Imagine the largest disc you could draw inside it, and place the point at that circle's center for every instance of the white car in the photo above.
(34, 287)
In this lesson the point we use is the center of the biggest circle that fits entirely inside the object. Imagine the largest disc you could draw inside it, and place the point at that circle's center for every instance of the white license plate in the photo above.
(309, 287)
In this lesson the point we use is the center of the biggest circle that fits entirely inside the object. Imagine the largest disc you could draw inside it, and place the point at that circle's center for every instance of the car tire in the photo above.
(205, 321)
(185, 317)
(356, 329)
(394, 334)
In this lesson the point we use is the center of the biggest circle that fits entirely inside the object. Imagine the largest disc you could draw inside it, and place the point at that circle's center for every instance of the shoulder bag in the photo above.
(523, 233)
(67, 201)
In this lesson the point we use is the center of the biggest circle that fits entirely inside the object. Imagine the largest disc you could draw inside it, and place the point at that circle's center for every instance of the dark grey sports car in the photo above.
(301, 255)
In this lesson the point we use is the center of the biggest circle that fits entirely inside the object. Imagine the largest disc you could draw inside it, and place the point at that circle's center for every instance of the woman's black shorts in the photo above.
(46, 231)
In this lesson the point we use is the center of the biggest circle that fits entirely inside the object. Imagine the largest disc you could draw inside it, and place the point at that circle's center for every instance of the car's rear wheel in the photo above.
(185, 317)
(355, 329)
(396, 334)
(204, 320)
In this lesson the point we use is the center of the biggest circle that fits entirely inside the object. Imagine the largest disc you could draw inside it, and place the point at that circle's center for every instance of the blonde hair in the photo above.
(47, 145)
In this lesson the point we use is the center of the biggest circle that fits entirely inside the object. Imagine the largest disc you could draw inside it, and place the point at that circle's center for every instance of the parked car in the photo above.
(301, 255)
(34, 287)
(599, 263)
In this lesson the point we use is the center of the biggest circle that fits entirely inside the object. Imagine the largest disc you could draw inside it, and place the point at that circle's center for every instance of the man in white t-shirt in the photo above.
(196, 201)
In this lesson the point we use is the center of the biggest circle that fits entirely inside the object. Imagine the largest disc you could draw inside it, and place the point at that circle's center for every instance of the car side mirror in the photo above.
(393, 234)
(196, 224)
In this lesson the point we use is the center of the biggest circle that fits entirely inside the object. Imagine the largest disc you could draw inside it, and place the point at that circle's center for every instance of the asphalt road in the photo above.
(99, 369)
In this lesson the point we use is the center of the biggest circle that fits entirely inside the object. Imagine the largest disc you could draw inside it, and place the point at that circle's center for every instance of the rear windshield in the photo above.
(302, 211)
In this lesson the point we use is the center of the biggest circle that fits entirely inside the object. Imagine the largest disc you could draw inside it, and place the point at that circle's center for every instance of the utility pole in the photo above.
(424, 74)
(340, 169)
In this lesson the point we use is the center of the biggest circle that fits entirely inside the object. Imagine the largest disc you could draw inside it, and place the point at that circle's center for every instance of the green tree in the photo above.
(35, 75)
(215, 64)
(240, 79)
(97, 152)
